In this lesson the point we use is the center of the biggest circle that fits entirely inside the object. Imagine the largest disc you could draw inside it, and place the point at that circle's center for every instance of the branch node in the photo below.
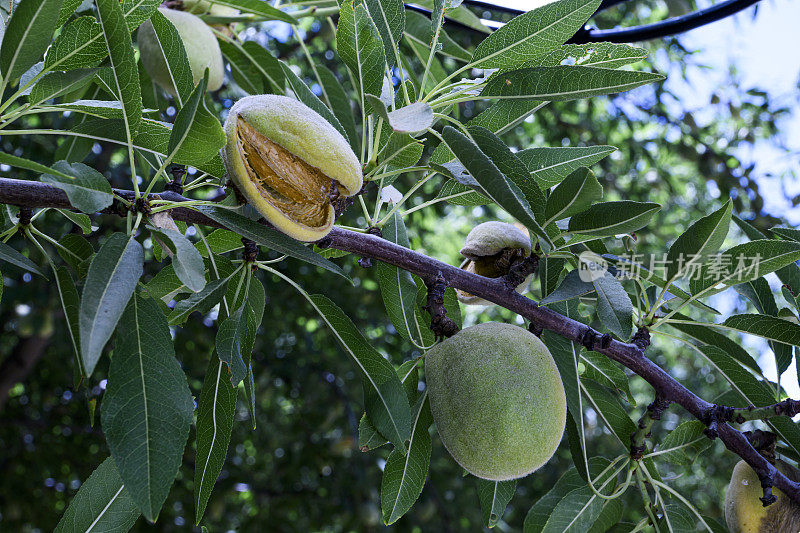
(364, 262)
(250, 253)
(645, 425)
(763, 442)
(441, 325)
(518, 269)
(142, 205)
(176, 185)
(535, 328)
(642, 338)
(25, 214)
(591, 339)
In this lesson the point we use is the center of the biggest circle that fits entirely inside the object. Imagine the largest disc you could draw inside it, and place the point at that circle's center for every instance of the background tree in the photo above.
(300, 467)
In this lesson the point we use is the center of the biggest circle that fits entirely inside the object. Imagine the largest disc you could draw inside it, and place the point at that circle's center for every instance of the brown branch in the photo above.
(497, 290)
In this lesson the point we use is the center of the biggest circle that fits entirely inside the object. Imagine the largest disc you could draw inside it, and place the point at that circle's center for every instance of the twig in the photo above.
(497, 290)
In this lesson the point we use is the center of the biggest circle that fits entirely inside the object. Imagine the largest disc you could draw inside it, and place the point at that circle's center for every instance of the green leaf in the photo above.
(339, 103)
(220, 241)
(258, 7)
(267, 65)
(494, 497)
(87, 189)
(112, 277)
(539, 513)
(614, 307)
(80, 44)
(10, 255)
(186, 261)
(235, 340)
(56, 84)
(400, 151)
(27, 35)
(790, 234)
(244, 71)
(386, 402)
(700, 240)
(745, 262)
(176, 62)
(684, 444)
(165, 285)
(576, 512)
(77, 252)
(610, 410)
(215, 415)
(561, 83)
(571, 287)
(577, 192)
(549, 166)
(123, 62)
(201, 301)
(610, 516)
(708, 335)
(604, 371)
(70, 303)
(67, 9)
(752, 391)
(79, 219)
(361, 48)
(404, 474)
(412, 119)
(418, 31)
(398, 289)
(147, 407)
(769, 327)
(268, 237)
(370, 438)
(390, 20)
(305, 95)
(102, 504)
(613, 218)
(504, 193)
(533, 33)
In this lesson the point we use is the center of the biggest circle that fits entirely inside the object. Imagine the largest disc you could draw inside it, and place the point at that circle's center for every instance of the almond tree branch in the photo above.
(631, 355)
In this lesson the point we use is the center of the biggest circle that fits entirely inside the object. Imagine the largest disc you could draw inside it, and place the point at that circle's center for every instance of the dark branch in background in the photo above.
(497, 290)
(646, 32)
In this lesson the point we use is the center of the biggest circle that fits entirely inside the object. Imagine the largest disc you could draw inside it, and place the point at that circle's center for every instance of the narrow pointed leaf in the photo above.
(504, 193)
(700, 240)
(112, 276)
(613, 218)
(56, 84)
(215, 414)
(745, 262)
(123, 63)
(201, 301)
(549, 166)
(10, 255)
(614, 307)
(386, 402)
(147, 407)
(577, 192)
(494, 497)
(186, 260)
(390, 20)
(404, 474)
(361, 48)
(563, 83)
(70, 303)
(27, 35)
(87, 189)
(533, 33)
(397, 286)
(102, 504)
(235, 339)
